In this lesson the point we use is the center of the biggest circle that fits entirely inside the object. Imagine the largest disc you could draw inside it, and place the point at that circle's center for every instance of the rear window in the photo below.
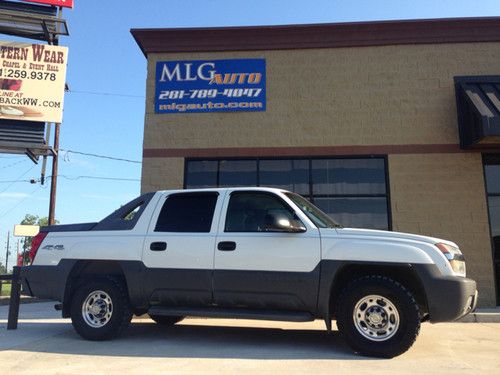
(187, 212)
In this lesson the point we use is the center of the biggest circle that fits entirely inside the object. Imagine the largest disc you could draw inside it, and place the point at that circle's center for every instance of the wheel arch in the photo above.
(88, 269)
(405, 274)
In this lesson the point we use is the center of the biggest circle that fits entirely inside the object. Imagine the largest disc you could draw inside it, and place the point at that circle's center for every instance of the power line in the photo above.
(12, 164)
(106, 94)
(11, 181)
(17, 179)
(100, 156)
(20, 202)
(74, 178)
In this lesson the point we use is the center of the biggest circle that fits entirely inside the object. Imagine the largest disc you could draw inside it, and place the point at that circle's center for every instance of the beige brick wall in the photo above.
(328, 97)
(442, 195)
(162, 174)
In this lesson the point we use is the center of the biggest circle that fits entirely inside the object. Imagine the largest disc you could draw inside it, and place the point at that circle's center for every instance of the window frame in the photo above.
(310, 196)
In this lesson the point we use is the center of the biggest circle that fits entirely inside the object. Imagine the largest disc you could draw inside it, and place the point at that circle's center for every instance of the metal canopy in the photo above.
(24, 137)
(478, 107)
(31, 21)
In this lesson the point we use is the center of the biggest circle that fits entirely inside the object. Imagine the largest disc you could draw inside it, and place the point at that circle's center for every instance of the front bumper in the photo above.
(448, 297)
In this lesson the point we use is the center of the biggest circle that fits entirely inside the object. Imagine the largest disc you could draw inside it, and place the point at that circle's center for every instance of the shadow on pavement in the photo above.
(198, 341)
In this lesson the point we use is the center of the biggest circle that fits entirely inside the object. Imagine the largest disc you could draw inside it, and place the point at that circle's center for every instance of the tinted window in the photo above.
(353, 191)
(492, 177)
(187, 212)
(248, 211)
(492, 173)
(201, 174)
(238, 173)
(292, 175)
(356, 212)
(348, 176)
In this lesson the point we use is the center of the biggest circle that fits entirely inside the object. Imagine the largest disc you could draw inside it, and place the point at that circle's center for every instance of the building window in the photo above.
(492, 177)
(353, 191)
(237, 173)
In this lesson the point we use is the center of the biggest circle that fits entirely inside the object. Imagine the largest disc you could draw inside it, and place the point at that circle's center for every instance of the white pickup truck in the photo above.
(253, 253)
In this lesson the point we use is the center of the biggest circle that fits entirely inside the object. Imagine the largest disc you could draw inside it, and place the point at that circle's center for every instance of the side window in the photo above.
(187, 212)
(130, 214)
(247, 211)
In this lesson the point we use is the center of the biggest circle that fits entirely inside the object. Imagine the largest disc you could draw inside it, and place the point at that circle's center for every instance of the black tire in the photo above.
(407, 308)
(113, 323)
(166, 320)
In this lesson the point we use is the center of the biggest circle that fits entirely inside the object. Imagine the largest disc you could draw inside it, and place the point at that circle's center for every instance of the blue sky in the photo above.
(103, 58)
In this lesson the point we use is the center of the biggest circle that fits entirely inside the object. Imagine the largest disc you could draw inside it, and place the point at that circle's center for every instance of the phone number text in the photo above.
(209, 93)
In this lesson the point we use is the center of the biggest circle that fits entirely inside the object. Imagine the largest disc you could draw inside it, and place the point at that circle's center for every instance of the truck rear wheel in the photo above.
(166, 320)
(378, 317)
(100, 309)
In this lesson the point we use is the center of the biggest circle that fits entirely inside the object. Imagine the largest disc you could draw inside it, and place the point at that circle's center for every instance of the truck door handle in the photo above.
(226, 246)
(158, 246)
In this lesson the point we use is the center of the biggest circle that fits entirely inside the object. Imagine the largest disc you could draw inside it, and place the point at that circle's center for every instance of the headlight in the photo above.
(454, 256)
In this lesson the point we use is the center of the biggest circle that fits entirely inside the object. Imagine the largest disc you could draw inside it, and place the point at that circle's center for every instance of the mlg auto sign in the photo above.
(210, 86)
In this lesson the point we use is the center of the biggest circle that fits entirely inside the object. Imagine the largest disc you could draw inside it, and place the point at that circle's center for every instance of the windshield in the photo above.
(318, 217)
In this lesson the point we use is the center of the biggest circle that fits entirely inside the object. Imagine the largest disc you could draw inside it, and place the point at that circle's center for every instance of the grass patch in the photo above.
(6, 289)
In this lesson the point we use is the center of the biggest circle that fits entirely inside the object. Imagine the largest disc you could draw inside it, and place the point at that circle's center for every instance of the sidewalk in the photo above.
(4, 300)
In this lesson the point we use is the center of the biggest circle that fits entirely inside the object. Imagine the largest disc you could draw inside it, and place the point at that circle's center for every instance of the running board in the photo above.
(209, 312)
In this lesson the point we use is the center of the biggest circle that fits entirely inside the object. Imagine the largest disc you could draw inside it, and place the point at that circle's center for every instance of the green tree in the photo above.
(26, 242)
(2, 269)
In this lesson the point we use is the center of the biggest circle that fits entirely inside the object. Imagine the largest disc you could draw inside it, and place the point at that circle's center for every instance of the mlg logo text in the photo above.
(185, 72)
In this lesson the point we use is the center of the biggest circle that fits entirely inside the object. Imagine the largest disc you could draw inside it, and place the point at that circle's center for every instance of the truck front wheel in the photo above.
(378, 316)
(100, 309)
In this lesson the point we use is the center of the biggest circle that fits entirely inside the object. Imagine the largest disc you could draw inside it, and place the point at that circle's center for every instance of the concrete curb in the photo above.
(482, 316)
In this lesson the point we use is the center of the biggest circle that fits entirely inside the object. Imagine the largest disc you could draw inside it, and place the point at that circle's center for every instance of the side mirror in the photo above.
(281, 223)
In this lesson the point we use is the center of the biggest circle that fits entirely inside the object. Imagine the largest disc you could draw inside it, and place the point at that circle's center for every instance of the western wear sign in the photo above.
(32, 80)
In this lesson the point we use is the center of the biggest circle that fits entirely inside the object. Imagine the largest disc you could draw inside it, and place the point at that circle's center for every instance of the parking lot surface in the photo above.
(45, 343)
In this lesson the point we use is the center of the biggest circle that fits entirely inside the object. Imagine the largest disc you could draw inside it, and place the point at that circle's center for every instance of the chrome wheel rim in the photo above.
(97, 309)
(376, 318)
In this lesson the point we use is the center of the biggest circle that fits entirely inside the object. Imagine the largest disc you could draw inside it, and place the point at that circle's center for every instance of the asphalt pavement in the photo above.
(45, 343)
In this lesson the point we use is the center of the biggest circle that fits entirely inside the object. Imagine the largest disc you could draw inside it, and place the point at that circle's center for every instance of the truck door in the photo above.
(179, 249)
(258, 268)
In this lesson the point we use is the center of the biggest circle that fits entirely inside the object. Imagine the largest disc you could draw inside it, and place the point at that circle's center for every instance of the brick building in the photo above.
(388, 125)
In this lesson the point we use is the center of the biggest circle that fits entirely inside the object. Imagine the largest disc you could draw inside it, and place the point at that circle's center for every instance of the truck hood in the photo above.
(355, 232)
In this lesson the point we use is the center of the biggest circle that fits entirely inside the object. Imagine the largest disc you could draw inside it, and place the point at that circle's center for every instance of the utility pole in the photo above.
(53, 183)
(7, 253)
(55, 157)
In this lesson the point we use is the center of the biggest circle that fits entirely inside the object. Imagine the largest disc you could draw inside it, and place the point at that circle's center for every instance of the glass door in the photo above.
(492, 176)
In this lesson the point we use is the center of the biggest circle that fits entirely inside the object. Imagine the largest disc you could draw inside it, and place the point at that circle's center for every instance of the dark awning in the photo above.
(478, 107)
